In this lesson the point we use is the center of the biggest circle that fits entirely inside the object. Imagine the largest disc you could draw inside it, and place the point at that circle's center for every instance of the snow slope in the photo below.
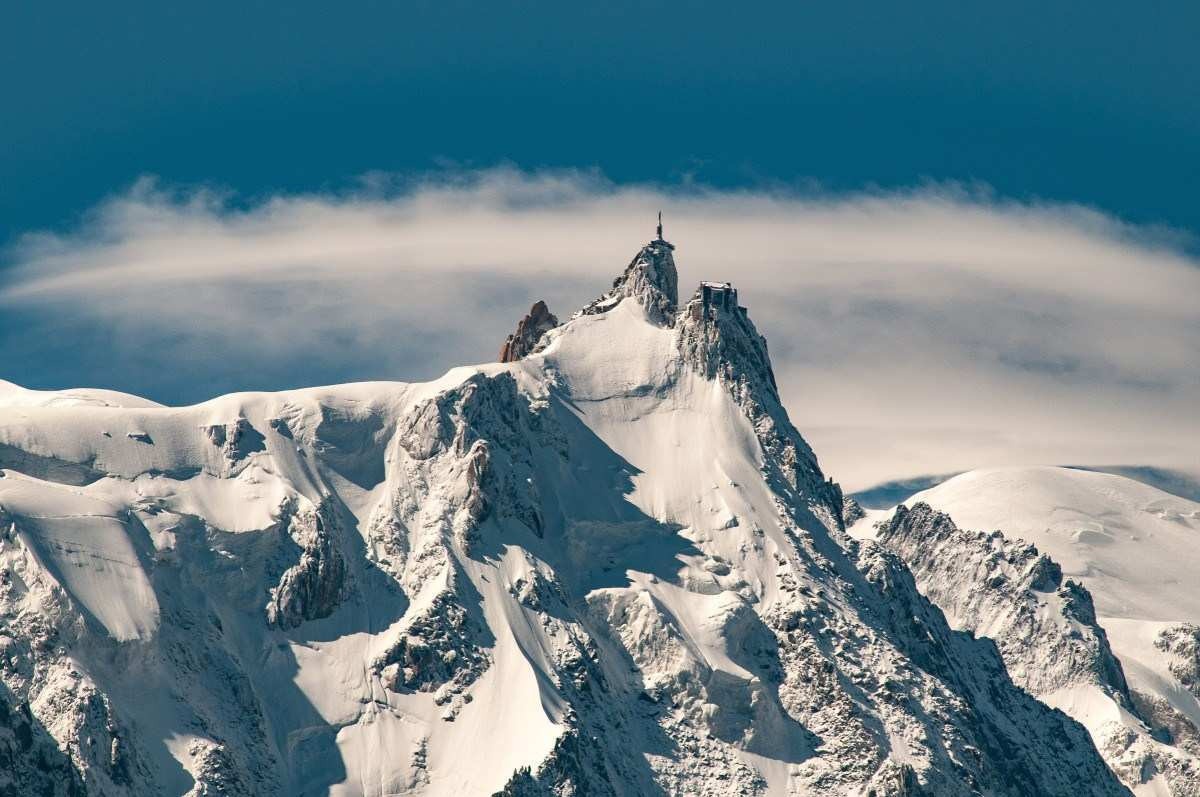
(12, 395)
(611, 567)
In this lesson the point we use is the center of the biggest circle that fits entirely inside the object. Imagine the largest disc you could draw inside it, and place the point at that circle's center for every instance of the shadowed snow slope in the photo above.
(610, 567)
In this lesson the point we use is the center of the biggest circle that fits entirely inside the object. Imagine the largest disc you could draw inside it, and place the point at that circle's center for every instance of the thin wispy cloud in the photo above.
(925, 331)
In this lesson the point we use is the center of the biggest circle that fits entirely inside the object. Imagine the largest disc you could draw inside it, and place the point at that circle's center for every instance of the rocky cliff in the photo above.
(530, 329)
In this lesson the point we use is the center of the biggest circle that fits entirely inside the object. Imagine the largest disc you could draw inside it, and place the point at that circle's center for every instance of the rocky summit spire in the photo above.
(659, 237)
(529, 330)
(650, 278)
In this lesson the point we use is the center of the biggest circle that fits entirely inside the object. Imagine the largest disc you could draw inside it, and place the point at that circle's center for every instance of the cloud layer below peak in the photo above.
(919, 332)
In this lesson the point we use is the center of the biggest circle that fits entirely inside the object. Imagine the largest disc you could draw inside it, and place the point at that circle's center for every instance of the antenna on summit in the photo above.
(659, 241)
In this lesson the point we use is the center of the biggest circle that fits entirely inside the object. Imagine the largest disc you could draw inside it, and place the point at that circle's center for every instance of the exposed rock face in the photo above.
(576, 767)
(30, 759)
(1181, 645)
(467, 458)
(1182, 642)
(720, 340)
(237, 441)
(852, 511)
(313, 587)
(986, 688)
(65, 733)
(215, 771)
(1044, 627)
(529, 331)
(441, 650)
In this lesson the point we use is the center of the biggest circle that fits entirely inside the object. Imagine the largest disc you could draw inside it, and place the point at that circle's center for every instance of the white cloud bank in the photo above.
(919, 332)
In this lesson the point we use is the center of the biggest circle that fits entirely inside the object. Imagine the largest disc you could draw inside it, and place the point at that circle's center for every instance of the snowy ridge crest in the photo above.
(716, 337)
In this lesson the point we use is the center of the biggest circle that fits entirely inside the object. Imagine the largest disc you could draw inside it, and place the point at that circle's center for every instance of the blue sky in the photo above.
(1095, 102)
(988, 208)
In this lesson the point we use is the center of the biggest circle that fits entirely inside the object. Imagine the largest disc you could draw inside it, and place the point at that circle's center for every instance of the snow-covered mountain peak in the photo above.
(612, 566)
(711, 337)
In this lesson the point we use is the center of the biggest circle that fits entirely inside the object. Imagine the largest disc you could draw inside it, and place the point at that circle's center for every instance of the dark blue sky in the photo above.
(1095, 102)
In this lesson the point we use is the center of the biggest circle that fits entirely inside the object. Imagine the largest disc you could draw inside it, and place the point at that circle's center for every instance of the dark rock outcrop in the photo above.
(530, 329)
(315, 585)
(237, 439)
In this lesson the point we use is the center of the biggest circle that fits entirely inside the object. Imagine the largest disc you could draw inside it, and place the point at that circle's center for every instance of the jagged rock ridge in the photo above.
(1053, 646)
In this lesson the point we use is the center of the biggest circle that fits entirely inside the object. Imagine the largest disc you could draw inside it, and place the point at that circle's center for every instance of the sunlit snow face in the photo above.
(911, 333)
